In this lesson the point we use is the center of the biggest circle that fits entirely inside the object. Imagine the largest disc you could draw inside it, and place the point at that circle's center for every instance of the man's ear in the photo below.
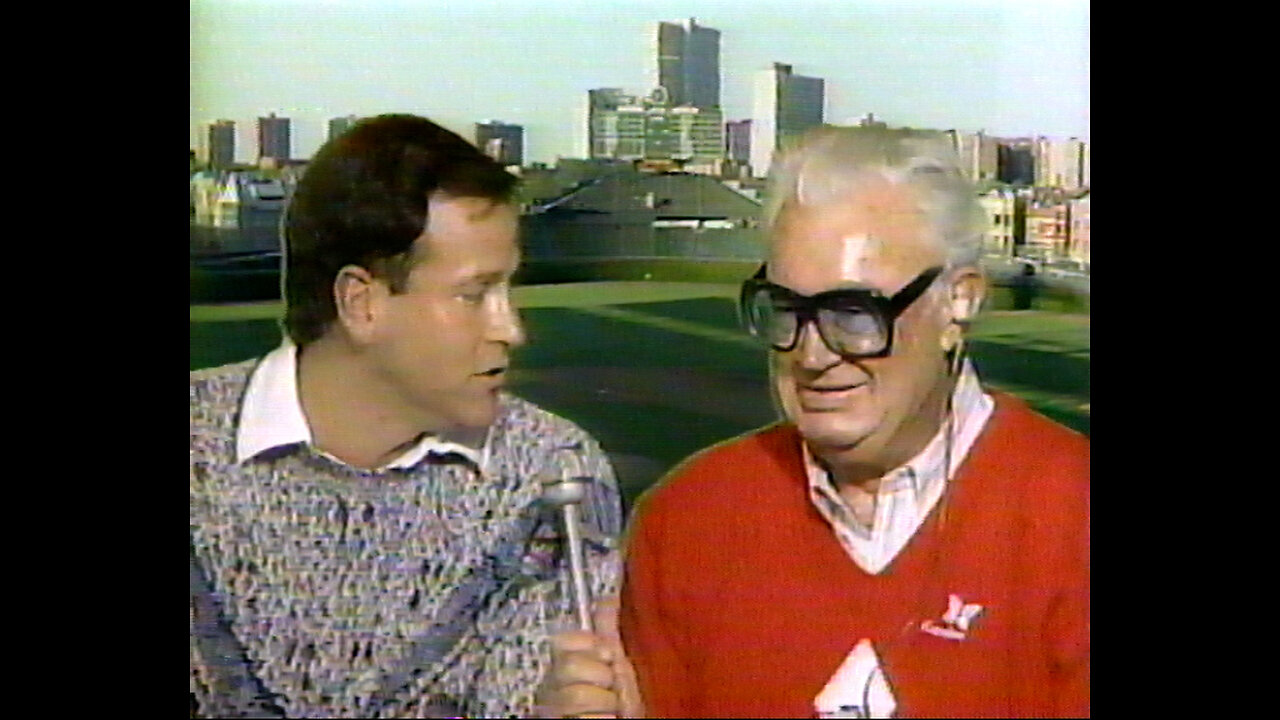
(968, 290)
(358, 297)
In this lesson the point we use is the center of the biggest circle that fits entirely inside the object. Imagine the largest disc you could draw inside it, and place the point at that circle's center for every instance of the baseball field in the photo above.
(658, 370)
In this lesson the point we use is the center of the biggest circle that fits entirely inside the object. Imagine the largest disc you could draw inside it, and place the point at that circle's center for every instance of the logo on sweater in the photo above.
(955, 622)
(858, 689)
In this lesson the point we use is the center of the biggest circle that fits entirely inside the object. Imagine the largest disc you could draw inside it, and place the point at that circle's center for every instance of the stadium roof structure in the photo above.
(666, 195)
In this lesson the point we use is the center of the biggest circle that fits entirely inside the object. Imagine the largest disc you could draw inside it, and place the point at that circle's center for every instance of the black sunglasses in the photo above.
(853, 323)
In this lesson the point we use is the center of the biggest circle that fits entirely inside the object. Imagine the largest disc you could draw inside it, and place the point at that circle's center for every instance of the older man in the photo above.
(905, 543)
(366, 533)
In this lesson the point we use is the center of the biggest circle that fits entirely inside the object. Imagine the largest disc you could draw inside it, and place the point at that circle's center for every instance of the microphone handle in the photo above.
(577, 566)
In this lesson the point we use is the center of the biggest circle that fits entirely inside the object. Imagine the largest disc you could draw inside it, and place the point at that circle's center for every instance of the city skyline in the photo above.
(1010, 71)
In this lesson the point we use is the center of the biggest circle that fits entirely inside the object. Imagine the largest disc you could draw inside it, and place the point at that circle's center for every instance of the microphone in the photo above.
(566, 493)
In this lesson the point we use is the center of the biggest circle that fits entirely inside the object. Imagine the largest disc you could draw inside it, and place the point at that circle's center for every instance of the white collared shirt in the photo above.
(271, 416)
(908, 493)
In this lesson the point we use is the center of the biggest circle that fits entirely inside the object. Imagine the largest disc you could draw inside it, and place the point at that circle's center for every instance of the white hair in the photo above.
(830, 164)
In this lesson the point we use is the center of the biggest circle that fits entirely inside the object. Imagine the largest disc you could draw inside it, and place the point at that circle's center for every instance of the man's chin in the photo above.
(824, 435)
(477, 418)
(472, 415)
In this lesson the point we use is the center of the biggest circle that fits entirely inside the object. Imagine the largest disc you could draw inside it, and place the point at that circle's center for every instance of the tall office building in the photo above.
(501, 141)
(273, 138)
(687, 58)
(339, 125)
(786, 105)
(738, 141)
(222, 144)
(1073, 163)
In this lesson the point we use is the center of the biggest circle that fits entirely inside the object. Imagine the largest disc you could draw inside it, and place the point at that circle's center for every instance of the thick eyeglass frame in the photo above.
(885, 309)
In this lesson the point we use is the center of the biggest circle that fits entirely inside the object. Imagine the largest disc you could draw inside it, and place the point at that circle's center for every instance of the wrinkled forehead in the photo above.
(874, 237)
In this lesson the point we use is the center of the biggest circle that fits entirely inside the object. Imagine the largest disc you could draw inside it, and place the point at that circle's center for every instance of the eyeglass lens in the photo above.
(852, 331)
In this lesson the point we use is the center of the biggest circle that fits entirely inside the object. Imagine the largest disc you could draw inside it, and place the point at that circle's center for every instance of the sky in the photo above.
(1012, 68)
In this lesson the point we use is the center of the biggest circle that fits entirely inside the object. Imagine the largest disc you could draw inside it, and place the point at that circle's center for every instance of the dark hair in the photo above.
(363, 201)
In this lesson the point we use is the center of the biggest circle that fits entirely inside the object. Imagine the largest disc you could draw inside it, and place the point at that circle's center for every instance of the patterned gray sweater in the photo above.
(328, 575)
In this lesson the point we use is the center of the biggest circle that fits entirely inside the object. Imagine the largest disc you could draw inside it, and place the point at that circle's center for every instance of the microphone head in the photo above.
(563, 482)
(561, 491)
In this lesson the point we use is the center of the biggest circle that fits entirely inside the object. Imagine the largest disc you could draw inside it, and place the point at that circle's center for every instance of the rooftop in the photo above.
(669, 195)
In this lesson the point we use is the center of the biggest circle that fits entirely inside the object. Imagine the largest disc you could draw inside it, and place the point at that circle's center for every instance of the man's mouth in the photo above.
(828, 397)
(831, 388)
(493, 372)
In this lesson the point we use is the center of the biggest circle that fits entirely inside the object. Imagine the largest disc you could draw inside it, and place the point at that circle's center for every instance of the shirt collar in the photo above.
(271, 416)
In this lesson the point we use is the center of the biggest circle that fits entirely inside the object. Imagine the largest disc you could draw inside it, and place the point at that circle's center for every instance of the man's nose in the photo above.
(505, 325)
(811, 351)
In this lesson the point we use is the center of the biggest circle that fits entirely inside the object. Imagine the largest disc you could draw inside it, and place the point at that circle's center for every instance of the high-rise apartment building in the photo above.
(1016, 161)
(222, 144)
(786, 105)
(1084, 166)
(273, 138)
(979, 155)
(687, 57)
(339, 125)
(501, 141)
(1073, 161)
(1059, 163)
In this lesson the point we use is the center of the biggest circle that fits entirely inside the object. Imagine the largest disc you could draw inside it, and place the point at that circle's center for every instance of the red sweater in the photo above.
(740, 602)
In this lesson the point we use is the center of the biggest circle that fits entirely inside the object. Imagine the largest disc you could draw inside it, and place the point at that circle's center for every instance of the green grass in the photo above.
(657, 371)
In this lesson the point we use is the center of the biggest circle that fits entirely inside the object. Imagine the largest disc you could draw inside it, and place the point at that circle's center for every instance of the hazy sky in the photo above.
(1010, 67)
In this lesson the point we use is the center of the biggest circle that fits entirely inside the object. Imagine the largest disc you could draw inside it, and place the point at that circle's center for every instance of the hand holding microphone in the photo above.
(590, 675)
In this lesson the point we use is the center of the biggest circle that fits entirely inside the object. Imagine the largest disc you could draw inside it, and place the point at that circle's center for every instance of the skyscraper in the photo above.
(501, 141)
(738, 140)
(222, 144)
(339, 125)
(786, 105)
(273, 138)
(687, 58)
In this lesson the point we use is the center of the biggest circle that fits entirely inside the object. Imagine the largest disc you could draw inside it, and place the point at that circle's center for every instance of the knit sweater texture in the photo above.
(327, 575)
(738, 600)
